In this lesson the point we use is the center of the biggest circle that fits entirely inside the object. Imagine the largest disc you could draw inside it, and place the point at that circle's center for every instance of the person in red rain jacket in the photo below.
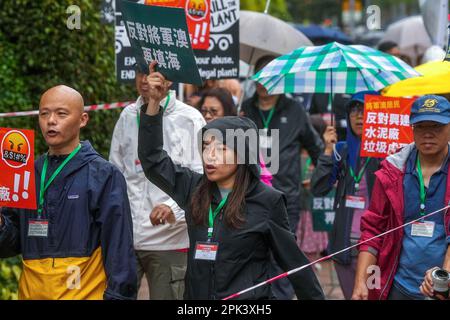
(410, 184)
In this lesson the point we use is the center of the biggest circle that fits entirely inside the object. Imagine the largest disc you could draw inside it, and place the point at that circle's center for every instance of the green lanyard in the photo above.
(306, 168)
(266, 122)
(44, 186)
(213, 215)
(358, 178)
(138, 117)
(422, 186)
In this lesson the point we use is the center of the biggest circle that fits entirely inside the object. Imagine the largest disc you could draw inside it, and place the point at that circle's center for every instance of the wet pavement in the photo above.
(325, 272)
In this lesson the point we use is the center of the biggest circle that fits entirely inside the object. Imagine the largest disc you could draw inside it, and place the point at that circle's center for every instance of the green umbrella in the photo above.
(333, 68)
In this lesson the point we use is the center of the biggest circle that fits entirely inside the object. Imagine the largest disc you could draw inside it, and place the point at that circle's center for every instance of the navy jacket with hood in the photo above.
(295, 132)
(327, 172)
(89, 216)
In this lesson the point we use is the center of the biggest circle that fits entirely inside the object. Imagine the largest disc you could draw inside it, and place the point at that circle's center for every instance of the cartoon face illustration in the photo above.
(15, 149)
(198, 4)
(196, 8)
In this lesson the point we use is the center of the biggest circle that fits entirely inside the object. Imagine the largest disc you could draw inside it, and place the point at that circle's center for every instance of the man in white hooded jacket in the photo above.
(159, 227)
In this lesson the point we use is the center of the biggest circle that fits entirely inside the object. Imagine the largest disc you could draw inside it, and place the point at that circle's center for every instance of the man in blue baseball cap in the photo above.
(433, 114)
(430, 108)
(405, 255)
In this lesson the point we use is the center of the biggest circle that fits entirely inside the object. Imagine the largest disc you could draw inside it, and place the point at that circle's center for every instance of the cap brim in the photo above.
(353, 102)
(429, 117)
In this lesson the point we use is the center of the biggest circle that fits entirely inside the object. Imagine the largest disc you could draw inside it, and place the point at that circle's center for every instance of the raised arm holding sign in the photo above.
(161, 34)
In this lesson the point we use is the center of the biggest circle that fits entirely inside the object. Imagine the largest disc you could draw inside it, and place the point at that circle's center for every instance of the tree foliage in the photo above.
(38, 51)
(277, 8)
(9, 277)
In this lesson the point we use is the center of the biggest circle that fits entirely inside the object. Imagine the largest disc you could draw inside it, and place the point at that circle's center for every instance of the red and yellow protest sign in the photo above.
(17, 180)
(386, 125)
(198, 17)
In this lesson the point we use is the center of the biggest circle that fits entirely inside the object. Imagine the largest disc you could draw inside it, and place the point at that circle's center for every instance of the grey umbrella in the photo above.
(410, 35)
(262, 34)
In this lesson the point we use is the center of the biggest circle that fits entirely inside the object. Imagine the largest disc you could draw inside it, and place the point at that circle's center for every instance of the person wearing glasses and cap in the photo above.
(410, 184)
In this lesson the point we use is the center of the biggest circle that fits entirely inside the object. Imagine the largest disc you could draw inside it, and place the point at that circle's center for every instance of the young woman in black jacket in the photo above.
(234, 220)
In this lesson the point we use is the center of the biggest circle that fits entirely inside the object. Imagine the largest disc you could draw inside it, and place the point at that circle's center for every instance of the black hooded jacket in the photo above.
(295, 133)
(243, 257)
(329, 171)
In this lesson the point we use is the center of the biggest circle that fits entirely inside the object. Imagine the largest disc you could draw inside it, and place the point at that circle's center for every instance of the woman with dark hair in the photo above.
(217, 103)
(234, 220)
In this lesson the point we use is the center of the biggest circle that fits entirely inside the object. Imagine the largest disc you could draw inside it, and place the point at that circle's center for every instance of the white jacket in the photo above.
(181, 125)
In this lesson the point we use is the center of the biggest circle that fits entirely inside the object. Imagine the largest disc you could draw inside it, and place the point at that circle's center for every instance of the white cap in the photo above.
(433, 53)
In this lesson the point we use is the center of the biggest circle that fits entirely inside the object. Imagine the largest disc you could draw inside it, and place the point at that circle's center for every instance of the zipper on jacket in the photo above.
(215, 224)
(389, 279)
(213, 264)
(53, 264)
(213, 282)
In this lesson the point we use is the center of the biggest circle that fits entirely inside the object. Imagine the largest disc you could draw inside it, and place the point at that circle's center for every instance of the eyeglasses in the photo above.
(357, 108)
(435, 128)
(212, 112)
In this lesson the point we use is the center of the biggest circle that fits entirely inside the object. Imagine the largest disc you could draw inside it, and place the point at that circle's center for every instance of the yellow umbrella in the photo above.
(435, 80)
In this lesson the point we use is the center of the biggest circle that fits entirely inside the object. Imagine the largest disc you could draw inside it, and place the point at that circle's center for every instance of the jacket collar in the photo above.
(411, 163)
(139, 103)
(84, 156)
(216, 196)
(399, 159)
(172, 100)
(281, 102)
(391, 176)
(170, 107)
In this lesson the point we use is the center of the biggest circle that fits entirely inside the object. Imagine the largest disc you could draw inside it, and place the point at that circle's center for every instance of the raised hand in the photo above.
(330, 139)
(158, 89)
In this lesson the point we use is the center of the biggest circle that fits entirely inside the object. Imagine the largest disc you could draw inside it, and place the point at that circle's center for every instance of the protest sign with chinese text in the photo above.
(386, 126)
(160, 33)
(198, 15)
(17, 180)
(323, 213)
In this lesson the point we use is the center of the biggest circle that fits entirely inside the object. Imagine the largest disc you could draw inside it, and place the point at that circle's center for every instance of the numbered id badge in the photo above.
(422, 229)
(138, 166)
(38, 228)
(265, 141)
(355, 202)
(206, 251)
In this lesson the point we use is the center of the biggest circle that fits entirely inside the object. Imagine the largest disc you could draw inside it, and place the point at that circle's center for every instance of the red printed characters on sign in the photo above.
(17, 181)
(386, 126)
